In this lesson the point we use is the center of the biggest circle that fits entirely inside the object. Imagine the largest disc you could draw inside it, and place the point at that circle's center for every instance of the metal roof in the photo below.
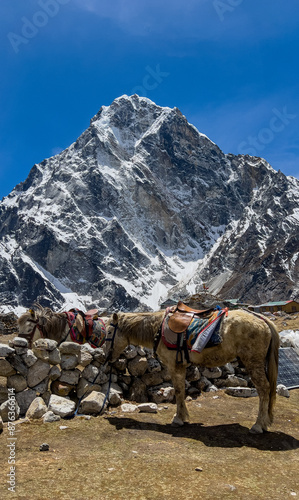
(278, 303)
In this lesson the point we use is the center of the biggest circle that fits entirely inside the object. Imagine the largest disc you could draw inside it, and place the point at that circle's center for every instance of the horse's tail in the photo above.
(272, 366)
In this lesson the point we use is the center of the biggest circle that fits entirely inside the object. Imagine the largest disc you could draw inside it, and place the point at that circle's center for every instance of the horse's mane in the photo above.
(140, 327)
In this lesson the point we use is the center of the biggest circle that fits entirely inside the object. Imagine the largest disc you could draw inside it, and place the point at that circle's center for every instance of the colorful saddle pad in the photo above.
(94, 331)
(201, 332)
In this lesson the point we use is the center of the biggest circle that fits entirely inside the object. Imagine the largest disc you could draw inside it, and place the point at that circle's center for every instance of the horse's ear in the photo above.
(115, 318)
(32, 313)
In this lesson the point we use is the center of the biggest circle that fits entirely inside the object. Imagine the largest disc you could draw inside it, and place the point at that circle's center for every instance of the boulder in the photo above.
(69, 348)
(93, 403)
(130, 351)
(234, 381)
(6, 369)
(37, 409)
(5, 350)
(49, 417)
(128, 408)
(99, 355)
(120, 364)
(241, 392)
(29, 358)
(228, 369)
(18, 382)
(148, 408)
(19, 342)
(17, 363)
(61, 406)
(153, 365)
(94, 374)
(137, 366)
(44, 344)
(25, 399)
(42, 387)
(54, 357)
(115, 393)
(38, 372)
(10, 410)
(153, 378)
(212, 388)
(84, 358)
(212, 372)
(282, 391)
(71, 377)
(163, 393)
(21, 350)
(54, 373)
(68, 361)
(86, 387)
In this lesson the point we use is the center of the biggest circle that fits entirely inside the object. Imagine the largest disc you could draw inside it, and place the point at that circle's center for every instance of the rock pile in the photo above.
(8, 323)
(48, 381)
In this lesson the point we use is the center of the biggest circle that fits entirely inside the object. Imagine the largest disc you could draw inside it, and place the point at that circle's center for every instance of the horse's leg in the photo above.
(177, 373)
(259, 378)
(178, 376)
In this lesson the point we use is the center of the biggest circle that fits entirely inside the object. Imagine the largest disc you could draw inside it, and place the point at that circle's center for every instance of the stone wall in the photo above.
(49, 381)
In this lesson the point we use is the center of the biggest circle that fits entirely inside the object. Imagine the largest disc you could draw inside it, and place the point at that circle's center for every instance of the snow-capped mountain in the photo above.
(143, 207)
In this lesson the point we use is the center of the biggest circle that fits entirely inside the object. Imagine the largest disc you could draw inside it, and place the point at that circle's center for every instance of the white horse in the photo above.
(254, 340)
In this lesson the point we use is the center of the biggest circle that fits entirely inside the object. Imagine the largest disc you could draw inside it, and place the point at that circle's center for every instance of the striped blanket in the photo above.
(202, 332)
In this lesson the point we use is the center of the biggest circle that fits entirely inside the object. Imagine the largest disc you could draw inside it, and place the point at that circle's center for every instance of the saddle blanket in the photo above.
(201, 333)
(94, 332)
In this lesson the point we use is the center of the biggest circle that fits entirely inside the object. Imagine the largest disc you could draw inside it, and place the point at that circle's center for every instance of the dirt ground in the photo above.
(140, 456)
(289, 322)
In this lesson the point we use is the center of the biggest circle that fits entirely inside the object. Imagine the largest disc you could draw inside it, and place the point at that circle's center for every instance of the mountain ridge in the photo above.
(142, 206)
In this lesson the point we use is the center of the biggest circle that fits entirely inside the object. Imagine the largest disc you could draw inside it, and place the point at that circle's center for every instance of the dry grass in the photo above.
(140, 456)
(289, 322)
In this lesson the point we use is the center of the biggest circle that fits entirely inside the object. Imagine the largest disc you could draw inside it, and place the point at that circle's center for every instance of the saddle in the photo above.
(182, 316)
(182, 326)
(93, 328)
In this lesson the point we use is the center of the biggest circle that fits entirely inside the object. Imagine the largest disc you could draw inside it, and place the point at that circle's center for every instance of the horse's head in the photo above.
(31, 324)
(27, 325)
(115, 341)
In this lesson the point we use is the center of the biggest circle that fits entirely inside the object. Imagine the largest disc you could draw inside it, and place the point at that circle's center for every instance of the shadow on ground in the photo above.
(222, 436)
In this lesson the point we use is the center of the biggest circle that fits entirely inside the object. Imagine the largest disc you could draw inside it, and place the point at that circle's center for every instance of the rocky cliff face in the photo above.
(141, 207)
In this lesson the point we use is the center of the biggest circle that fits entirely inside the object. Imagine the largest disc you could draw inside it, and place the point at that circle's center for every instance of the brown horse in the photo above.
(254, 340)
(43, 322)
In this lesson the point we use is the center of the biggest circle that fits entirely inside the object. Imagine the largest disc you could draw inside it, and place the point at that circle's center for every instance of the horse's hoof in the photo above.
(256, 429)
(177, 422)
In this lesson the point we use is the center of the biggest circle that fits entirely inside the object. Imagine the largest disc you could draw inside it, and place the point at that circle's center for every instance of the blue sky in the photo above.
(230, 66)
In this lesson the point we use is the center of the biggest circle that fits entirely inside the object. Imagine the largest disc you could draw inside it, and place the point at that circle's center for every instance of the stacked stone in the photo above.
(49, 381)
(8, 323)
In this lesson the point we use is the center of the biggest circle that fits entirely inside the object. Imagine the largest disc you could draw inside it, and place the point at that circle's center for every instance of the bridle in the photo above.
(111, 339)
(29, 336)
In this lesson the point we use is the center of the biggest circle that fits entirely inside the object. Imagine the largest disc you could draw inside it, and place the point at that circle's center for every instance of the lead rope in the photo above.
(69, 417)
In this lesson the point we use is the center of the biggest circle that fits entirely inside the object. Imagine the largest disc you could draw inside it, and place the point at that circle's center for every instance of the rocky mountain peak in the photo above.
(144, 206)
